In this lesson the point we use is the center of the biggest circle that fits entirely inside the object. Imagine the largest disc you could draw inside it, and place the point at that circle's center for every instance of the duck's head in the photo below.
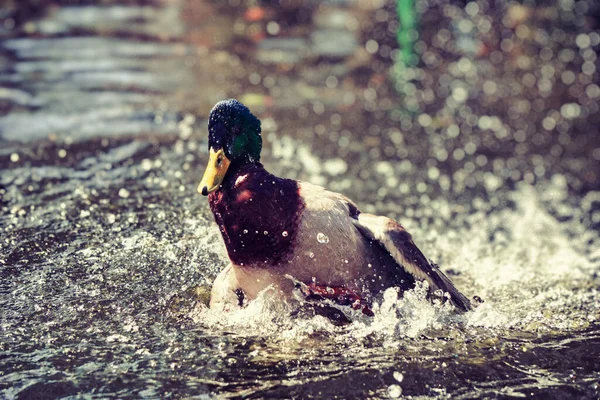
(233, 138)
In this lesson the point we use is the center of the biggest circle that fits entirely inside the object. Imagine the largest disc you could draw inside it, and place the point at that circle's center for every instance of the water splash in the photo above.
(531, 272)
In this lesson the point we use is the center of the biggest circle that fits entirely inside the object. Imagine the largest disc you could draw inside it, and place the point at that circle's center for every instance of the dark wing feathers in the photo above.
(398, 242)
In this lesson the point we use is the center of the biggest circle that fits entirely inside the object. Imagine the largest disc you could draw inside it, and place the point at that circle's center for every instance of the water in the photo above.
(104, 237)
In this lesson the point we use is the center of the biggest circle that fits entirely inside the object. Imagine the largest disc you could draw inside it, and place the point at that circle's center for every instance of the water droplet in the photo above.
(346, 261)
(245, 231)
(273, 28)
(398, 376)
(284, 233)
(146, 164)
(370, 265)
(322, 238)
(14, 157)
(311, 254)
(266, 233)
(394, 391)
(124, 193)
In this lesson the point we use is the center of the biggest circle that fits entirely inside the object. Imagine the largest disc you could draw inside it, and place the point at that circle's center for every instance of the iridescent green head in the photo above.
(233, 137)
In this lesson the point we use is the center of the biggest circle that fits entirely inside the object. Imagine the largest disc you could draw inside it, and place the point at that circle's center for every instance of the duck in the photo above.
(296, 236)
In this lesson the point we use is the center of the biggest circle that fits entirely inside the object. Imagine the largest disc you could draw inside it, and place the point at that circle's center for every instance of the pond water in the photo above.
(488, 153)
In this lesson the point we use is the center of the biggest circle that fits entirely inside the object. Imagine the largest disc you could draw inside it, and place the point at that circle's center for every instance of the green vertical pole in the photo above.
(407, 15)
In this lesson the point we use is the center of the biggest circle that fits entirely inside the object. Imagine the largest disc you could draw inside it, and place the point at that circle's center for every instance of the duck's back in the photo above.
(330, 250)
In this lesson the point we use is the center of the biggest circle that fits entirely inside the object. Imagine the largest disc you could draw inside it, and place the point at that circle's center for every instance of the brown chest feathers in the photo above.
(258, 214)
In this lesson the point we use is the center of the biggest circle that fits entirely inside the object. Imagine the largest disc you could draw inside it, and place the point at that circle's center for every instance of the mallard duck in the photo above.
(293, 234)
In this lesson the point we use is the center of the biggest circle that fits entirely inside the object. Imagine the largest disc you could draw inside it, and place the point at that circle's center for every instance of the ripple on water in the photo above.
(100, 287)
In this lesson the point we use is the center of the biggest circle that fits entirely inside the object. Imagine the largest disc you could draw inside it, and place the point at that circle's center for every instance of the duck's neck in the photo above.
(238, 168)
(258, 214)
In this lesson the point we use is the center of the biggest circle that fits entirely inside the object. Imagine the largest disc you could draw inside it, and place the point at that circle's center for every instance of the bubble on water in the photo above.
(254, 78)
(331, 82)
(273, 28)
(146, 164)
(111, 218)
(583, 41)
(335, 166)
(460, 94)
(570, 110)
(322, 238)
(245, 231)
(266, 233)
(491, 182)
(14, 157)
(124, 193)
(549, 123)
(372, 46)
(284, 234)
(433, 173)
(311, 254)
(62, 153)
(398, 376)
(394, 391)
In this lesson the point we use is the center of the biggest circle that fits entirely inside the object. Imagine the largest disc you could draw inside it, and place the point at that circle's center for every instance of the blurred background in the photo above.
(473, 123)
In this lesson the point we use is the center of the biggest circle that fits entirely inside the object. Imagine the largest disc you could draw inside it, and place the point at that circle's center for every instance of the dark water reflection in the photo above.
(488, 153)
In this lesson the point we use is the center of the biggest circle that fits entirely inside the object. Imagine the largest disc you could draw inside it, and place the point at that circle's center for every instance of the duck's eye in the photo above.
(219, 161)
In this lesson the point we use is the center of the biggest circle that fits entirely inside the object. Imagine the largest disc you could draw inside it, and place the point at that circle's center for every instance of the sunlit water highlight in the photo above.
(90, 297)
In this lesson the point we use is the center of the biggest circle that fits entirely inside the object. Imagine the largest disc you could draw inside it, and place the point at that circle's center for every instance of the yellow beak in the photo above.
(216, 169)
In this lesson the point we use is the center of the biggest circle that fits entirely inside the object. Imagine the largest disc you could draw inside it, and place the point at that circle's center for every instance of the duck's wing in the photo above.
(398, 242)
